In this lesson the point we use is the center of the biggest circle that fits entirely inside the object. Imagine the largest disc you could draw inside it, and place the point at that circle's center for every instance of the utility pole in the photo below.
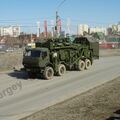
(56, 27)
(57, 17)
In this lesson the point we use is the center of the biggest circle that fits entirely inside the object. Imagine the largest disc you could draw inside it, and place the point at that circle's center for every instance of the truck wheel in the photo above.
(81, 65)
(87, 64)
(48, 73)
(61, 69)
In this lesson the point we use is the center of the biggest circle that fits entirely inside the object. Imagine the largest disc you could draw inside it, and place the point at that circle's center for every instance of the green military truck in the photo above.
(55, 56)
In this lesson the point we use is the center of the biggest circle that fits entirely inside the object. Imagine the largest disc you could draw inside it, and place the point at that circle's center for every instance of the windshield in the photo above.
(32, 53)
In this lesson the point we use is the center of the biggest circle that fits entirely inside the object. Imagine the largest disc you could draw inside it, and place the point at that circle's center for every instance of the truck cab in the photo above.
(34, 60)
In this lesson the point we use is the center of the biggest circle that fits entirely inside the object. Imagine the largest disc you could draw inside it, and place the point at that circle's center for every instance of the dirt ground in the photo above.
(100, 103)
(10, 60)
(109, 52)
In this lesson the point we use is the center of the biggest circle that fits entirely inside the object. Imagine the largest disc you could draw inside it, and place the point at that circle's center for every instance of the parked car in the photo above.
(9, 49)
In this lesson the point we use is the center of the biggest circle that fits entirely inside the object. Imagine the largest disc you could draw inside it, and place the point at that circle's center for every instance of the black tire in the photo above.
(48, 73)
(87, 64)
(81, 65)
(61, 69)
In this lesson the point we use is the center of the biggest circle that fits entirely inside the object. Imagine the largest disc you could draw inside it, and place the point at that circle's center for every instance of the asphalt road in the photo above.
(20, 96)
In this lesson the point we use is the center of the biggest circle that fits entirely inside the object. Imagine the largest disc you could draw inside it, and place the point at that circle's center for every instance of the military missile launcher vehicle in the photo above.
(55, 56)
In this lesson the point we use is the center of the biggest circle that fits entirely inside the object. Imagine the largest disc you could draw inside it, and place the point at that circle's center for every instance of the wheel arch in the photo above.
(62, 62)
(49, 65)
